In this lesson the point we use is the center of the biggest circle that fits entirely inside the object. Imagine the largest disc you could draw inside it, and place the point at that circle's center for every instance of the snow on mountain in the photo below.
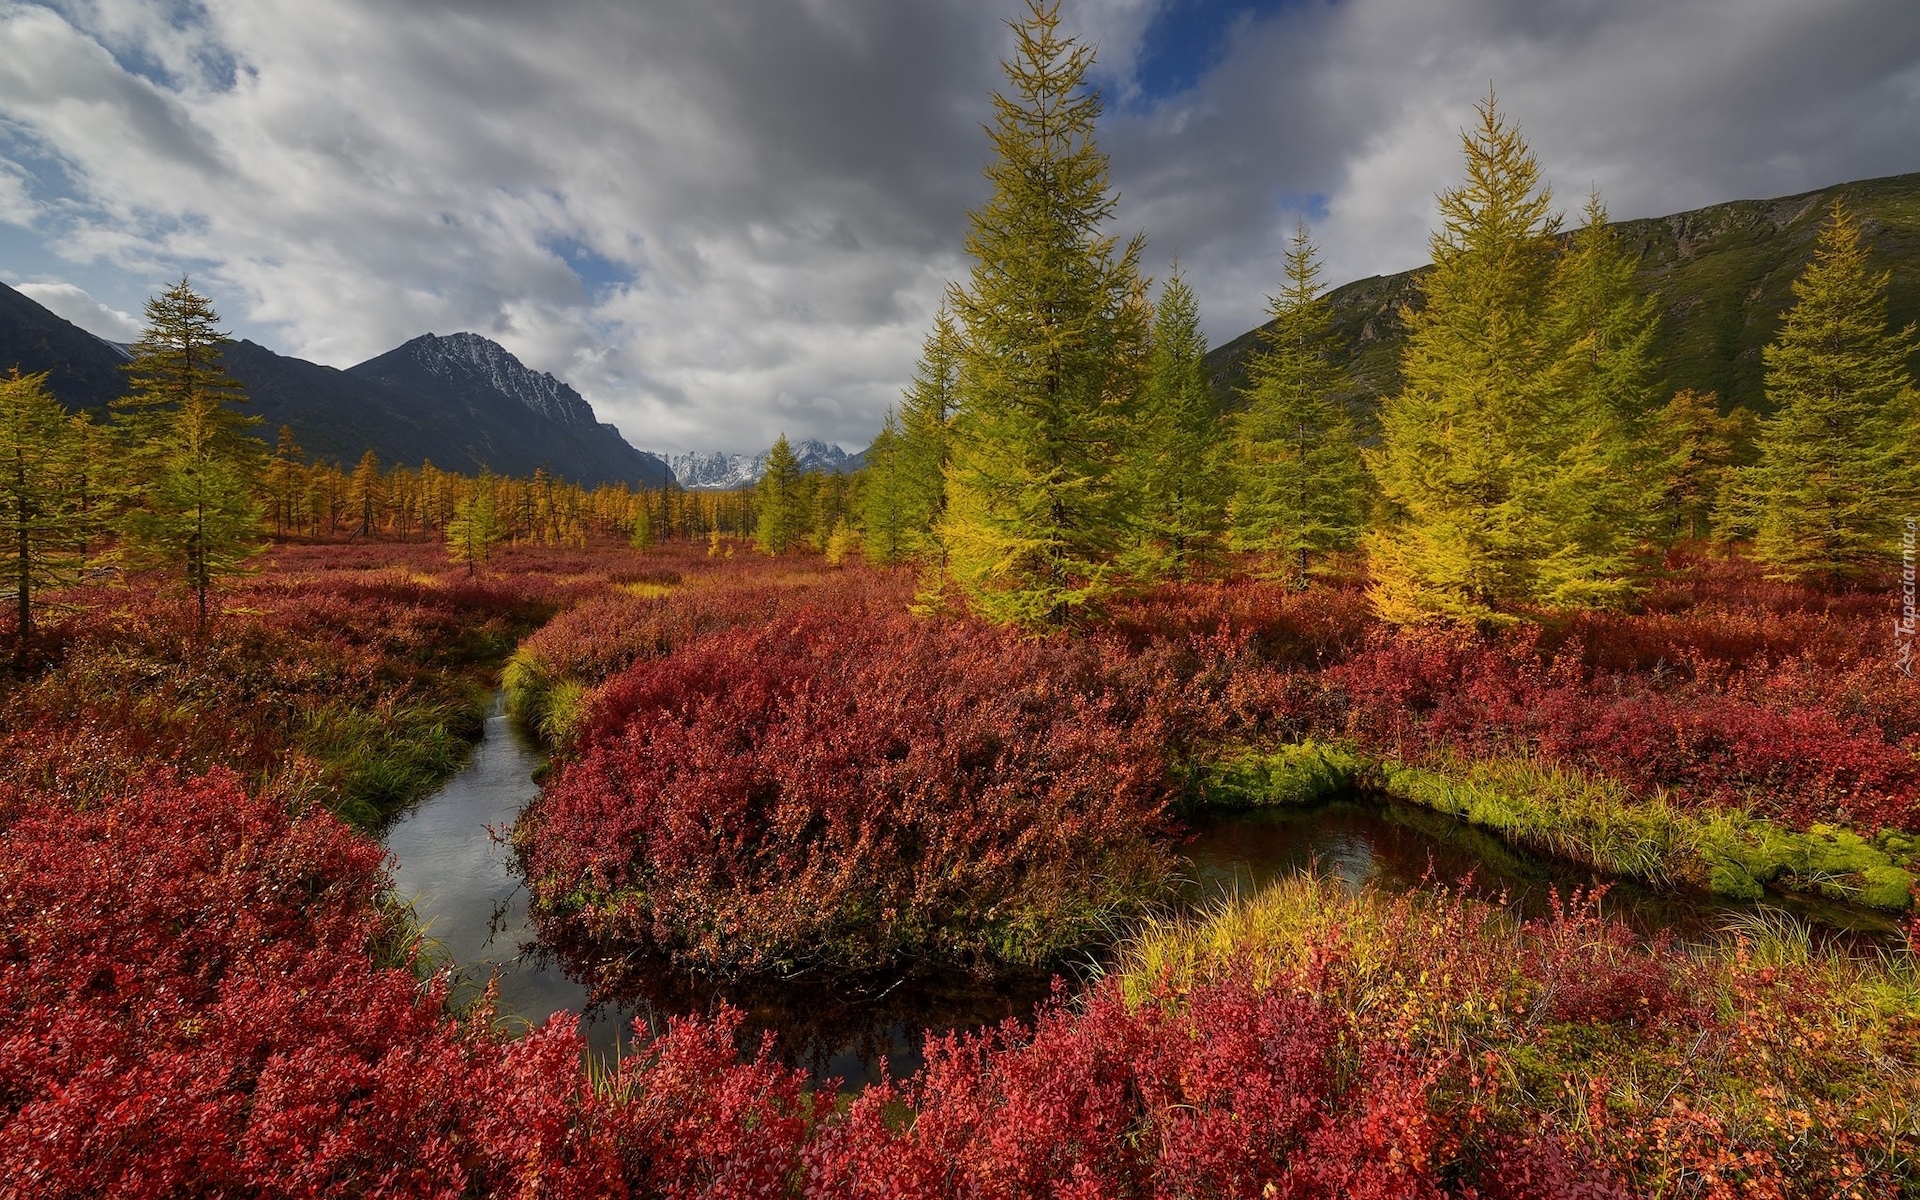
(720, 470)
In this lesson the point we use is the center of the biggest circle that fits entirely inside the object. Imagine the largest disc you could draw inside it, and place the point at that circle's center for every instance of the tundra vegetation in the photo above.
(1644, 635)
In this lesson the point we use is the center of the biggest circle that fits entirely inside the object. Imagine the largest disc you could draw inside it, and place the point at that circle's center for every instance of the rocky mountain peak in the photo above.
(469, 357)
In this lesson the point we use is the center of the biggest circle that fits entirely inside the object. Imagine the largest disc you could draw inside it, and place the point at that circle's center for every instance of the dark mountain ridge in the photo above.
(505, 415)
(462, 402)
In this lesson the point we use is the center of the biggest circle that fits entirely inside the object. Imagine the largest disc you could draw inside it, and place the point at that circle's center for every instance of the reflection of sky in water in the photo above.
(463, 883)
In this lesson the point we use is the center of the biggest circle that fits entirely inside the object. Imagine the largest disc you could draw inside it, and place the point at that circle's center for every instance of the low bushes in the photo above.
(1757, 1067)
(853, 789)
(606, 634)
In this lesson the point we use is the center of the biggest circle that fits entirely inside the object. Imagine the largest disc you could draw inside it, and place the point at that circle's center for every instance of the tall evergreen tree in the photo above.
(1824, 497)
(196, 511)
(782, 502)
(884, 504)
(1036, 509)
(1599, 488)
(1182, 503)
(367, 492)
(926, 442)
(1517, 463)
(43, 514)
(1299, 488)
(640, 533)
(475, 528)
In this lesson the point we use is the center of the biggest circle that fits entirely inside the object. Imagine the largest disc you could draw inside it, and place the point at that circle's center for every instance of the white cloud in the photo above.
(75, 304)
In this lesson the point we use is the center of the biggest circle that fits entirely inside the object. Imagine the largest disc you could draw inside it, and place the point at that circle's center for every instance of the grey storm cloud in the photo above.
(720, 220)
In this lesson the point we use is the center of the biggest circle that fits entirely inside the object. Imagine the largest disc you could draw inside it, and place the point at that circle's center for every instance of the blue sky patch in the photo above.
(1186, 39)
(597, 274)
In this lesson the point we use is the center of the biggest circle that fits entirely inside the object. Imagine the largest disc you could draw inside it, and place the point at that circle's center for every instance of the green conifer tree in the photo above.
(1299, 487)
(884, 503)
(1182, 503)
(1459, 465)
(640, 524)
(189, 446)
(1599, 488)
(43, 513)
(1825, 498)
(1036, 508)
(782, 501)
(475, 528)
(926, 442)
(1699, 449)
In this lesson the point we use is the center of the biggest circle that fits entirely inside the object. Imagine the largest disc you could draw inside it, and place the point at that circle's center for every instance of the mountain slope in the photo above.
(83, 370)
(1723, 274)
(495, 410)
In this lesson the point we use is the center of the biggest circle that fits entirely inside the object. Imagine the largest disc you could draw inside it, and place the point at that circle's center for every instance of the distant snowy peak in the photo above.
(464, 357)
(719, 471)
(716, 471)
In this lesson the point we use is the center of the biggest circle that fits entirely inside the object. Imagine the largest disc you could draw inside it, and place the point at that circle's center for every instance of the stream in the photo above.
(452, 862)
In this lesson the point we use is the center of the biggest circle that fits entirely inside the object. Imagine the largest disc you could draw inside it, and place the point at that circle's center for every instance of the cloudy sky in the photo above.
(720, 219)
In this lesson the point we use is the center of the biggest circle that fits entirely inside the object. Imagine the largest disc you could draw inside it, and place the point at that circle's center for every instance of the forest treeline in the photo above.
(1060, 441)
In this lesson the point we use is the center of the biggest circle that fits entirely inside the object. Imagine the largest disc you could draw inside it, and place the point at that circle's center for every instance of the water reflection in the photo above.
(1398, 847)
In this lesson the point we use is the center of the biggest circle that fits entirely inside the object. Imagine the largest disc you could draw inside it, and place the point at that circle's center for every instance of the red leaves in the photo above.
(847, 787)
(1235, 1092)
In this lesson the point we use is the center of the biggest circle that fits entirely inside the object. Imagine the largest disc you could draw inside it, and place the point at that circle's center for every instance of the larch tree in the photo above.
(1181, 502)
(1824, 499)
(1459, 464)
(43, 511)
(926, 441)
(475, 528)
(781, 501)
(884, 506)
(1699, 450)
(1052, 332)
(284, 481)
(195, 509)
(1600, 473)
(1299, 488)
(367, 492)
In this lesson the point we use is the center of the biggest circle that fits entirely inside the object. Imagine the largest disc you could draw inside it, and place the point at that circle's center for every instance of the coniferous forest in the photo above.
(1631, 666)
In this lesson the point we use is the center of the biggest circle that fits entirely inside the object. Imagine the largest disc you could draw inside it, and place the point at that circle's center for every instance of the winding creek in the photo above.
(452, 862)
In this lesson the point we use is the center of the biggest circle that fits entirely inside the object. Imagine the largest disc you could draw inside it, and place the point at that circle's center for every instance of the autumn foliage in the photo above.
(201, 992)
(854, 789)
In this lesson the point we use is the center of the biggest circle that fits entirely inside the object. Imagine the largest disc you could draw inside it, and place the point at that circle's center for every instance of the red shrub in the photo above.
(1235, 1092)
(853, 787)
(1797, 757)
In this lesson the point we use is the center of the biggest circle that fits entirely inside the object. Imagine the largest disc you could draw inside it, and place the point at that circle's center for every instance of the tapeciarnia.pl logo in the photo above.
(1903, 628)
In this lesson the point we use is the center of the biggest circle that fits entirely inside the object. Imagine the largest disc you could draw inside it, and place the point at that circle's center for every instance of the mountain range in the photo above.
(462, 401)
(1723, 274)
(721, 471)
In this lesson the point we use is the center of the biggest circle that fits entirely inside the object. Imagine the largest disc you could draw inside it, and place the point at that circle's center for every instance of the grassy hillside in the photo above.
(1723, 274)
